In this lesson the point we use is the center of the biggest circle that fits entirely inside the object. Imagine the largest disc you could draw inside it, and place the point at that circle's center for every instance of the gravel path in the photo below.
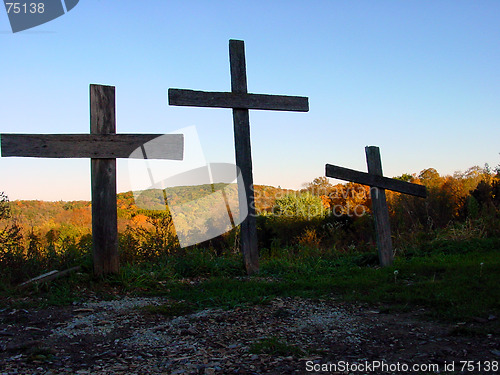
(121, 337)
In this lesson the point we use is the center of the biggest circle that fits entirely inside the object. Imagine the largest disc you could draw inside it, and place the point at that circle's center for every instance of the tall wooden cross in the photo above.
(103, 146)
(241, 101)
(374, 178)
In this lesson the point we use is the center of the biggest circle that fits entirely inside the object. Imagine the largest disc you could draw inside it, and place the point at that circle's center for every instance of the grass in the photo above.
(172, 309)
(454, 281)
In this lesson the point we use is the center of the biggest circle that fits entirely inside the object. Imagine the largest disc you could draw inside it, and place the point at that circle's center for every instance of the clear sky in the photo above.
(419, 79)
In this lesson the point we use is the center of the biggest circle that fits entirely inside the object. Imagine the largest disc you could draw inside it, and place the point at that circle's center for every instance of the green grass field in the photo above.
(451, 280)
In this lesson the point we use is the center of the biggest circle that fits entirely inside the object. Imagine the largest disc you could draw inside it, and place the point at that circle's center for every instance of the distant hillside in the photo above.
(42, 214)
(154, 199)
(34, 213)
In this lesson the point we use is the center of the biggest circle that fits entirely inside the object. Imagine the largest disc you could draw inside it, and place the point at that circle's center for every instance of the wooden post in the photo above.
(103, 146)
(380, 210)
(241, 101)
(103, 175)
(242, 144)
(378, 183)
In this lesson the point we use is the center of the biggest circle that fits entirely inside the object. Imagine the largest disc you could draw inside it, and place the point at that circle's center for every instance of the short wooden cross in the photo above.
(374, 178)
(103, 146)
(241, 101)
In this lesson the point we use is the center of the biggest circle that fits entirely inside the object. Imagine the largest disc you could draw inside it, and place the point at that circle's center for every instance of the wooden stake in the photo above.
(103, 174)
(242, 144)
(380, 210)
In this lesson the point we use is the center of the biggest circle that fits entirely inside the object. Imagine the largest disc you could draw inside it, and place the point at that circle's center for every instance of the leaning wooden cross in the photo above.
(103, 146)
(374, 178)
(241, 101)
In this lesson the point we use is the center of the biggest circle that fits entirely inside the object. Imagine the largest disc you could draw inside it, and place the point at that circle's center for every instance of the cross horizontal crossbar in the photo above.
(363, 178)
(193, 98)
(97, 146)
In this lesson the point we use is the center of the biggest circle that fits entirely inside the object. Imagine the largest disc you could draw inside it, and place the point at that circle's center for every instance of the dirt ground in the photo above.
(123, 337)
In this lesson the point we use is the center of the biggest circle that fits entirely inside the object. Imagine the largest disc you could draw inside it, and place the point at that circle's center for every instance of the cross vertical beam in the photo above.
(103, 176)
(242, 144)
(380, 210)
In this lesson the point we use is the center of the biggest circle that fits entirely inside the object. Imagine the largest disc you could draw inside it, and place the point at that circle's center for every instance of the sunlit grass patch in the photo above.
(171, 309)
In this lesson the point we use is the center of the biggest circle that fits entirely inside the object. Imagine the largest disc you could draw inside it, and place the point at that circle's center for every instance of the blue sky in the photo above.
(419, 79)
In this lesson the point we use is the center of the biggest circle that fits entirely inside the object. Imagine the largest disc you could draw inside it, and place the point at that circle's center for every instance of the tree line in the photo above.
(331, 218)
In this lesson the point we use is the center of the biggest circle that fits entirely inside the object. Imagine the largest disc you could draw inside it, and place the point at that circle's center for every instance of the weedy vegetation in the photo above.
(447, 257)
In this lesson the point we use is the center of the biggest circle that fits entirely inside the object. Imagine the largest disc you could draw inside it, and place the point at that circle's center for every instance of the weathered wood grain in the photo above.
(238, 66)
(243, 150)
(369, 179)
(103, 175)
(105, 146)
(49, 276)
(194, 98)
(380, 210)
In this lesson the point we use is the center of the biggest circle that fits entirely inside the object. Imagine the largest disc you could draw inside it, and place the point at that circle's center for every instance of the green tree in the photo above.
(304, 206)
(11, 249)
(405, 177)
(319, 186)
(430, 177)
(4, 206)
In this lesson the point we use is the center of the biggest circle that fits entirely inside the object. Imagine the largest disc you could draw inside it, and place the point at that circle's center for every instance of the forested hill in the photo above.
(34, 213)
(470, 195)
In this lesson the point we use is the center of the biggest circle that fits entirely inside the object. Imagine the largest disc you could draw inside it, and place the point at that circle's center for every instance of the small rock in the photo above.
(33, 329)
(82, 310)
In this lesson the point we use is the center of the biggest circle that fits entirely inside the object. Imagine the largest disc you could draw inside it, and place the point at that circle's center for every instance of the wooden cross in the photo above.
(241, 101)
(103, 146)
(374, 178)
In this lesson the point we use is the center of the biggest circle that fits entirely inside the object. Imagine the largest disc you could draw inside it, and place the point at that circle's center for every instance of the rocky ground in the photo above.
(123, 337)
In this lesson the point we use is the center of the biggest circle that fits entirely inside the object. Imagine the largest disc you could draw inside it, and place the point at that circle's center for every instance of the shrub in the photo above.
(303, 206)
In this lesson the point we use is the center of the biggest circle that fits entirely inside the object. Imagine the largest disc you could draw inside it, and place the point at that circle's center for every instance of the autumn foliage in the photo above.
(327, 218)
